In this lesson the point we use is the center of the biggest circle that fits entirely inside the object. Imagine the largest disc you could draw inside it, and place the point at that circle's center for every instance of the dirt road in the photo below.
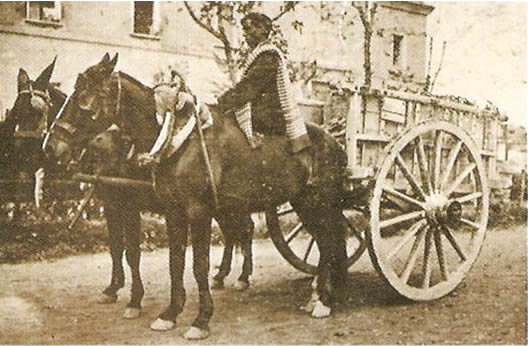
(53, 303)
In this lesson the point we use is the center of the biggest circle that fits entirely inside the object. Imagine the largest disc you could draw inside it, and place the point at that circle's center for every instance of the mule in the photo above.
(122, 213)
(245, 180)
(28, 121)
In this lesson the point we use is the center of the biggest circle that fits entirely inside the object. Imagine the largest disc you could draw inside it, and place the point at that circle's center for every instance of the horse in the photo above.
(243, 180)
(28, 121)
(108, 154)
(124, 226)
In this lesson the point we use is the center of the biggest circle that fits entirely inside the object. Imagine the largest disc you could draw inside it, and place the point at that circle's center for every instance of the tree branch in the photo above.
(439, 66)
(290, 6)
(216, 34)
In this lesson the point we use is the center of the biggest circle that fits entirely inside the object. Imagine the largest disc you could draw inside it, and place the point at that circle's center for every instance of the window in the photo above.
(146, 18)
(397, 49)
(43, 11)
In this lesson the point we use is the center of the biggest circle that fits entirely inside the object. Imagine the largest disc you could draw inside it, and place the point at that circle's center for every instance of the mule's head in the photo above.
(89, 110)
(32, 107)
(106, 152)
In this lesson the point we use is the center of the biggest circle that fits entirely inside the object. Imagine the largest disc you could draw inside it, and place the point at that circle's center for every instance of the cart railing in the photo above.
(372, 119)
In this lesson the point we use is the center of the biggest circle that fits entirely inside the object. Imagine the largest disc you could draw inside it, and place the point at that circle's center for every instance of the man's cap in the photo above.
(257, 19)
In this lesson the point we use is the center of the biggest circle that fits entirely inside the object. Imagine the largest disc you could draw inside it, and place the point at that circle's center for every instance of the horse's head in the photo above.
(106, 152)
(33, 107)
(92, 108)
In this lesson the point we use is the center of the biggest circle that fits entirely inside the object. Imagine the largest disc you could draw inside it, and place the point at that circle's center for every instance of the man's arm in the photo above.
(261, 73)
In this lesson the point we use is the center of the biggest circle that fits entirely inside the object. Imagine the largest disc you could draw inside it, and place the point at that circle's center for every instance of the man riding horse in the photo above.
(262, 100)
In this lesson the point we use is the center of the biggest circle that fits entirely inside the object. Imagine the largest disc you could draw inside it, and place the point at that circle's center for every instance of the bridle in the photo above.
(45, 97)
(68, 131)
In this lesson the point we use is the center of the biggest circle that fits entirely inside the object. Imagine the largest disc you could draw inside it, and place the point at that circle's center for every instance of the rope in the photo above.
(205, 153)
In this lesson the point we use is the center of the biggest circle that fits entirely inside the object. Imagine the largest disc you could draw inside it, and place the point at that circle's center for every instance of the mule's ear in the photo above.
(106, 59)
(42, 82)
(23, 79)
(113, 62)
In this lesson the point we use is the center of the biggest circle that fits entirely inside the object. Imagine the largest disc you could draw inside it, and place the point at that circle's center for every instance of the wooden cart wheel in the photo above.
(298, 247)
(429, 210)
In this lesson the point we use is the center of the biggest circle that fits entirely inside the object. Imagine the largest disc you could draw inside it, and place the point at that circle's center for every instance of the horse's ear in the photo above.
(106, 58)
(113, 62)
(42, 81)
(23, 79)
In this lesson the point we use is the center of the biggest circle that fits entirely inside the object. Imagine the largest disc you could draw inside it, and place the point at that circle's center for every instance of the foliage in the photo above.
(218, 18)
(165, 75)
(506, 214)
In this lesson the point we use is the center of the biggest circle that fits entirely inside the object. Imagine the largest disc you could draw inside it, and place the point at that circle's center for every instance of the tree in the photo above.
(217, 18)
(367, 14)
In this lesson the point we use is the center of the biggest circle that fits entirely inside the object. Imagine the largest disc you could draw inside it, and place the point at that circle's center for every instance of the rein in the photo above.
(205, 153)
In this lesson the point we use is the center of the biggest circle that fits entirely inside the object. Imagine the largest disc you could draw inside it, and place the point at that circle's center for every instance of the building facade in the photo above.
(149, 36)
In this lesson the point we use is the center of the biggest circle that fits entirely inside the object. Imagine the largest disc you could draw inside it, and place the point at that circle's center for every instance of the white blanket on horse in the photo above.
(179, 136)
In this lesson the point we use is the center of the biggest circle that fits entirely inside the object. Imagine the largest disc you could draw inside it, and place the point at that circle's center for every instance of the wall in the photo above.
(89, 29)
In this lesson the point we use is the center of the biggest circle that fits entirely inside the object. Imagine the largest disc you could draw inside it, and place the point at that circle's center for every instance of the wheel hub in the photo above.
(438, 210)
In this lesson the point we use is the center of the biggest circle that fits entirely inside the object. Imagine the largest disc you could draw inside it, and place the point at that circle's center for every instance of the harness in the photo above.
(182, 134)
(44, 97)
(69, 130)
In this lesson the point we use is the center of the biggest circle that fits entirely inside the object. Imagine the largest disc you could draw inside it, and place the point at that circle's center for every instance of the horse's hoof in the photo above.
(217, 284)
(241, 285)
(308, 307)
(131, 313)
(320, 310)
(162, 325)
(106, 299)
(195, 333)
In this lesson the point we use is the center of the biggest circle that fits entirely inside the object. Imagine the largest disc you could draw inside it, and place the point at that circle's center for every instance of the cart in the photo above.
(419, 167)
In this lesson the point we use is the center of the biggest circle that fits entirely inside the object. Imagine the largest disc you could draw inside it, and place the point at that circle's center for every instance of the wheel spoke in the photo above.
(408, 175)
(294, 232)
(470, 223)
(439, 142)
(426, 265)
(411, 233)
(460, 178)
(309, 249)
(413, 255)
(467, 198)
(356, 232)
(402, 196)
(440, 254)
(402, 218)
(453, 154)
(454, 244)
(422, 161)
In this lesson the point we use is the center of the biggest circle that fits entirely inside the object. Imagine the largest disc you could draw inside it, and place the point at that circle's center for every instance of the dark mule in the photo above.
(123, 204)
(28, 121)
(246, 180)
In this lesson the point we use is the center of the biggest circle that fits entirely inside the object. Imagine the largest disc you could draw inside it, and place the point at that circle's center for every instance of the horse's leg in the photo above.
(201, 237)
(236, 228)
(245, 239)
(132, 219)
(116, 245)
(326, 227)
(177, 228)
(227, 257)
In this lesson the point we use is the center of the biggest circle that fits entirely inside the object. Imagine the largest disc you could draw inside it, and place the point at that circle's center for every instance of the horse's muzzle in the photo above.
(58, 151)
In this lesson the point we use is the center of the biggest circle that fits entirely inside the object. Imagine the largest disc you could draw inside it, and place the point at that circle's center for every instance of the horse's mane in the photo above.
(134, 81)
